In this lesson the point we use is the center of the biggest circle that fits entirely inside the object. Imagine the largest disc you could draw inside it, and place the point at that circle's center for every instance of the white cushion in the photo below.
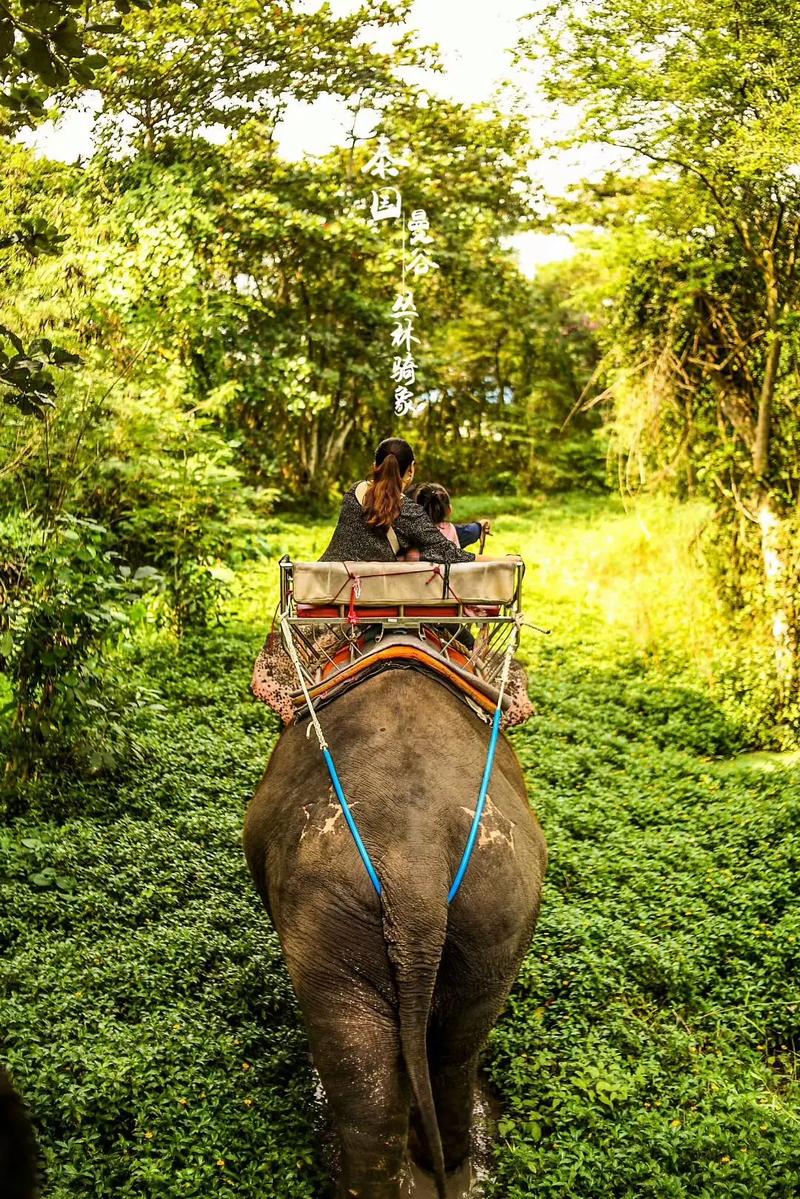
(490, 581)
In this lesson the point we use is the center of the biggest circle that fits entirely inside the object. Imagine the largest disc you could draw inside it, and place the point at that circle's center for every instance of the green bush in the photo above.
(649, 1045)
(68, 601)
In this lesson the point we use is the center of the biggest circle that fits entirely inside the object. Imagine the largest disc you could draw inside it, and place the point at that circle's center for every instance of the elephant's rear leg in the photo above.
(339, 969)
(357, 1054)
(455, 1038)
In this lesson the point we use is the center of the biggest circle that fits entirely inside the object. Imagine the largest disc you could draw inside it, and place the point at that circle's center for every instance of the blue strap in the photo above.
(476, 819)
(348, 815)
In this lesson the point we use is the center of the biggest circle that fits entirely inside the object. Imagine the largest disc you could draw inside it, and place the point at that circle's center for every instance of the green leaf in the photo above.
(81, 72)
(42, 16)
(62, 357)
(39, 60)
(67, 40)
(12, 337)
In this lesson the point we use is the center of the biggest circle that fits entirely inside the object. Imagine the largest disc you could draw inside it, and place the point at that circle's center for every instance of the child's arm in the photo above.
(470, 533)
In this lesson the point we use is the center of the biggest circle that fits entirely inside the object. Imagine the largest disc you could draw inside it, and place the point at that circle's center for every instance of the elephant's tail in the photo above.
(415, 941)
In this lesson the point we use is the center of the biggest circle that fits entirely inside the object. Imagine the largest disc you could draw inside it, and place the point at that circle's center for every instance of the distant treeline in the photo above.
(193, 331)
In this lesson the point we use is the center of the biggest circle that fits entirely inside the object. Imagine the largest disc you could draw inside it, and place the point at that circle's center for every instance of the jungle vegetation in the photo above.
(190, 323)
(190, 374)
(650, 1045)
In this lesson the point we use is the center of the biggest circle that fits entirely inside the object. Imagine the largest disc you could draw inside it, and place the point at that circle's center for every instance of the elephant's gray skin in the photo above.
(373, 975)
(17, 1145)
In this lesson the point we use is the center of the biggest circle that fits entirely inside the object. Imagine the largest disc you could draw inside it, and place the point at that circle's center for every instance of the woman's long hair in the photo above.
(383, 502)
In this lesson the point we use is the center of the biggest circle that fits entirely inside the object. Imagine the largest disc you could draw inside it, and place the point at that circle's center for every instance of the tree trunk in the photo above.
(761, 444)
(778, 586)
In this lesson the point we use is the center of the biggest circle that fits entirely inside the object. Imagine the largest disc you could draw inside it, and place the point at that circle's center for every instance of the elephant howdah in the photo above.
(398, 989)
(347, 621)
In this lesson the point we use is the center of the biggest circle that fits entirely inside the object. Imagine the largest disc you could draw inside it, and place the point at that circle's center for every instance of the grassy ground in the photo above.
(649, 1047)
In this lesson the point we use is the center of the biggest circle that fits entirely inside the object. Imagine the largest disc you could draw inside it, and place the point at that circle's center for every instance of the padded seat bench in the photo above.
(416, 587)
(434, 611)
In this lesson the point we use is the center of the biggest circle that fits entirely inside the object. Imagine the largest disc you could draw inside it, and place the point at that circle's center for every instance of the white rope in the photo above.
(292, 651)
(509, 654)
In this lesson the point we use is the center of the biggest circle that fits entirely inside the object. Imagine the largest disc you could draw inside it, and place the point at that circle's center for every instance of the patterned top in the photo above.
(355, 541)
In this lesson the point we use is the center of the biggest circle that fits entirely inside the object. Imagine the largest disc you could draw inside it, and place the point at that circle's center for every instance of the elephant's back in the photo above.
(410, 756)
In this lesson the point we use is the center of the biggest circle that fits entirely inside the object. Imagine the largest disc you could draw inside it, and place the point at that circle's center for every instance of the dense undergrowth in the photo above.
(649, 1046)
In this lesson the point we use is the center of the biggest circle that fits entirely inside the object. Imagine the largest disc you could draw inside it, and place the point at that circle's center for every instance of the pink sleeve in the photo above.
(447, 529)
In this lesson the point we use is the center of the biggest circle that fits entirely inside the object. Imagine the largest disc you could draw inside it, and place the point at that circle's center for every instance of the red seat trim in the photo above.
(433, 610)
(366, 614)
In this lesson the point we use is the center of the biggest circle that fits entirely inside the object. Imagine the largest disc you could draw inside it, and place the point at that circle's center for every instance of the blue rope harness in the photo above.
(348, 814)
(476, 819)
(351, 824)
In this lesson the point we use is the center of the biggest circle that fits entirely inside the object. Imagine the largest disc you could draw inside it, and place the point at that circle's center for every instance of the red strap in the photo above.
(385, 574)
(355, 592)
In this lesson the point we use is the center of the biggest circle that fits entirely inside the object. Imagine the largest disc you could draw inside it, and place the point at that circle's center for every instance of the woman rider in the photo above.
(377, 522)
(373, 516)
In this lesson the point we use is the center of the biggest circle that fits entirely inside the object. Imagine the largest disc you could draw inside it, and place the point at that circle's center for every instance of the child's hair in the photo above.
(435, 500)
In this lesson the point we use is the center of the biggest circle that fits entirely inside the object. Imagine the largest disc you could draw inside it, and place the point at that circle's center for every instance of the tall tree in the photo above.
(707, 92)
(186, 65)
(702, 98)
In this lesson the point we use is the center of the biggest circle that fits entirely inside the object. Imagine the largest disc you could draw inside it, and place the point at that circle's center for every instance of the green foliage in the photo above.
(49, 46)
(314, 287)
(23, 372)
(183, 68)
(65, 601)
(701, 268)
(649, 1047)
(655, 1025)
(27, 234)
(175, 500)
(510, 373)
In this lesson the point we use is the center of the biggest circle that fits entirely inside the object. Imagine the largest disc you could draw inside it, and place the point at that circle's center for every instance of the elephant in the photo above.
(17, 1144)
(399, 991)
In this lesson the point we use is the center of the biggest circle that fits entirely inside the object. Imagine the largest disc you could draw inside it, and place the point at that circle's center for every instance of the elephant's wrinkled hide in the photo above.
(398, 991)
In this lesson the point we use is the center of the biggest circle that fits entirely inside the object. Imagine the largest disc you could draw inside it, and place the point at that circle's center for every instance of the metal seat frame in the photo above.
(306, 628)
